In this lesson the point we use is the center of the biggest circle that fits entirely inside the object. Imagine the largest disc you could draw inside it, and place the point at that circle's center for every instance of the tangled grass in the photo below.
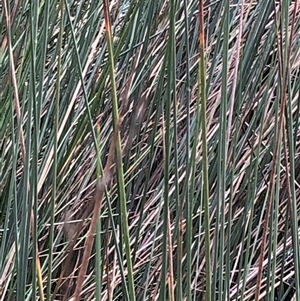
(84, 102)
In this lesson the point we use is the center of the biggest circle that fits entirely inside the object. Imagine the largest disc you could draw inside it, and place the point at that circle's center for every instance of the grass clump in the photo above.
(149, 150)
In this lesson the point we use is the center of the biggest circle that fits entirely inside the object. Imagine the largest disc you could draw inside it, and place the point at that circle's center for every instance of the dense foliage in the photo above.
(120, 107)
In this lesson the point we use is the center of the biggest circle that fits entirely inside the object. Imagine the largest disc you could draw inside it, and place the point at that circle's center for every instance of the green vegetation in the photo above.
(149, 150)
